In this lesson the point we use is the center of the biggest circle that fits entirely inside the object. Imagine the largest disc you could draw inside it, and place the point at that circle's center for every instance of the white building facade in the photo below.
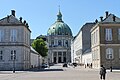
(81, 45)
(14, 43)
(36, 59)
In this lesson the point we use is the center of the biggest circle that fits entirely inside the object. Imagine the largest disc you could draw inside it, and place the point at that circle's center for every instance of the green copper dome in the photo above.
(59, 27)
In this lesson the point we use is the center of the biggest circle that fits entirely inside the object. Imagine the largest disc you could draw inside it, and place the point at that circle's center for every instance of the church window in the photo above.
(66, 43)
(59, 43)
(66, 33)
(59, 31)
(52, 42)
(109, 53)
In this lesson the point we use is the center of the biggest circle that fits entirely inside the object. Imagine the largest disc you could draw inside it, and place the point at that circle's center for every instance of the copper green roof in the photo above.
(59, 27)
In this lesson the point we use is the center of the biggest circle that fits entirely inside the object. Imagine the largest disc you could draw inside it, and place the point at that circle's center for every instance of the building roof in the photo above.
(59, 27)
(11, 20)
(86, 25)
(110, 18)
(33, 50)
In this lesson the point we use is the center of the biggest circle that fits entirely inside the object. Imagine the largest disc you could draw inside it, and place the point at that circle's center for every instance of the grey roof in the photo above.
(84, 26)
(10, 20)
(110, 18)
(33, 50)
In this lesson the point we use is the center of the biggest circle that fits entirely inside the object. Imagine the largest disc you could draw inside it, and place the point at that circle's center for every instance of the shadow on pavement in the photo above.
(44, 69)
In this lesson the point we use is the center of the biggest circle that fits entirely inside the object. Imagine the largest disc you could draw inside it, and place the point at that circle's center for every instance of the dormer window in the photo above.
(59, 31)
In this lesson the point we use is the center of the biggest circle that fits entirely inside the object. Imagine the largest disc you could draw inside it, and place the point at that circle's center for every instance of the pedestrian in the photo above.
(102, 72)
(91, 65)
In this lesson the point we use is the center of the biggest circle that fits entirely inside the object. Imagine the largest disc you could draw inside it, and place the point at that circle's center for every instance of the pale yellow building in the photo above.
(105, 42)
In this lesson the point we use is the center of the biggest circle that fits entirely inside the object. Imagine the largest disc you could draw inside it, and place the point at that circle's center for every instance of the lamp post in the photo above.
(111, 64)
(14, 61)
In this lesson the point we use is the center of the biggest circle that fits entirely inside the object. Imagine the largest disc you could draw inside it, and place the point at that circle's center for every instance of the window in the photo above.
(13, 35)
(1, 55)
(13, 55)
(108, 34)
(59, 31)
(66, 32)
(109, 53)
(96, 36)
(66, 43)
(119, 34)
(119, 53)
(52, 42)
(1, 35)
(92, 39)
(93, 55)
(59, 43)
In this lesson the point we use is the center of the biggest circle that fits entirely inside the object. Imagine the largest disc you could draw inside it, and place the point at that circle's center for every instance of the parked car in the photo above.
(75, 64)
(44, 65)
(65, 65)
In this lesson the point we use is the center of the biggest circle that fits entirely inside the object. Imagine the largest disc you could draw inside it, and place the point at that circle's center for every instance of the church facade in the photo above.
(59, 37)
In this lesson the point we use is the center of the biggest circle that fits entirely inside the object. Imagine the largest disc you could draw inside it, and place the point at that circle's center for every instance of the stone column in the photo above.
(62, 56)
(67, 56)
(57, 58)
(52, 56)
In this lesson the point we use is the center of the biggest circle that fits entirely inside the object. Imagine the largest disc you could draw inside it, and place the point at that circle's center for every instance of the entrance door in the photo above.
(64, 59)
(54, 59)
(59, 60)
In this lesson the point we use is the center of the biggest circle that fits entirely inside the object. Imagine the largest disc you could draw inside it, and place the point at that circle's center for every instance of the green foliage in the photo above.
(40, 46)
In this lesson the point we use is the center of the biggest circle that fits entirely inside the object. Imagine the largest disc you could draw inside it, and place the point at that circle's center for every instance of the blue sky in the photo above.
(41, 14)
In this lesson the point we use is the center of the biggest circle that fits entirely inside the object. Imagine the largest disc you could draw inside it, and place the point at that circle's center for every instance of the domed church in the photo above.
(59, 37)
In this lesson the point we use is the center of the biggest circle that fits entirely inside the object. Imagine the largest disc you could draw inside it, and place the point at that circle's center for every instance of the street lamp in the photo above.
(111, 64)
(14, 52)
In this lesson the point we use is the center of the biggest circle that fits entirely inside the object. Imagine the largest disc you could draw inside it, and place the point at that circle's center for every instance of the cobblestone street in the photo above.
(58, 73)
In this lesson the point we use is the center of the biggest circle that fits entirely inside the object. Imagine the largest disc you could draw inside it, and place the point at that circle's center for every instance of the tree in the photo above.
(40, 46)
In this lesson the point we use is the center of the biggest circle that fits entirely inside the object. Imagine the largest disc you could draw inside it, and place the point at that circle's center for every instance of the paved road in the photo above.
(59, 73)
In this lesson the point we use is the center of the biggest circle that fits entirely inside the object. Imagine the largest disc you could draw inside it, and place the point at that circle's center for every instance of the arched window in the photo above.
(66, 33)
(109, 53)
(59, 31)
(59, 43)
(66, 43)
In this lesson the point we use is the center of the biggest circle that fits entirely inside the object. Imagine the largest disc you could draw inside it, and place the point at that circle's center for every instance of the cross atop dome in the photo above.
(59, 16)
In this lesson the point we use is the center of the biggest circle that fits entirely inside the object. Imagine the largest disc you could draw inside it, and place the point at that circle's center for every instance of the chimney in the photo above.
(27, 25)
(107, 14)
(24, 22)
(114, 18)
(20, 19)
(96, 21)
(8, 18)
(13, 12)
(101, 18)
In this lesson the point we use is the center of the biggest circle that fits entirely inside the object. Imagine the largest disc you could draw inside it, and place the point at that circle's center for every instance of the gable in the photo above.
(110, 18)
(10, 20)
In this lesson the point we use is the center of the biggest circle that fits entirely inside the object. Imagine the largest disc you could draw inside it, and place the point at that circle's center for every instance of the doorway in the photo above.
(59, 60)
(55, 60)
(64, 59)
